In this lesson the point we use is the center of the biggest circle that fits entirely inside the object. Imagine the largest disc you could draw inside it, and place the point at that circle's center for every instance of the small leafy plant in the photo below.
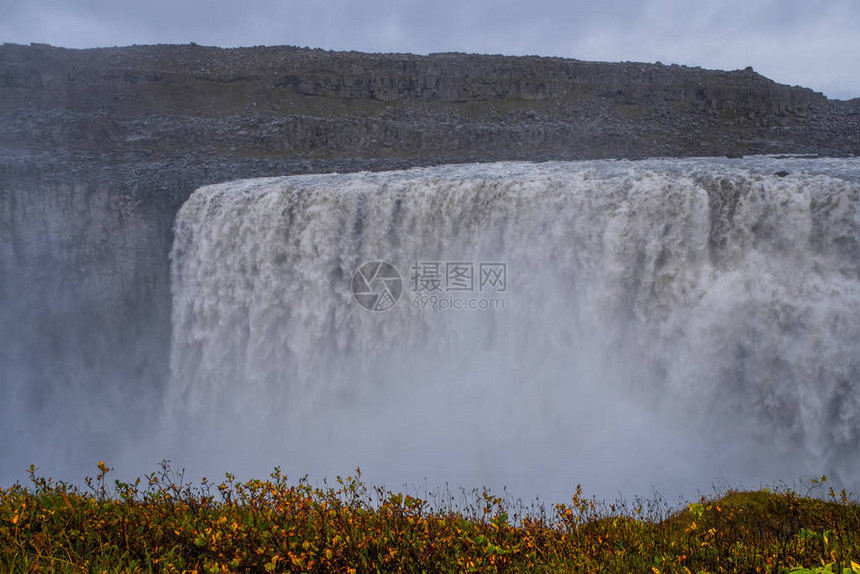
(163, 523)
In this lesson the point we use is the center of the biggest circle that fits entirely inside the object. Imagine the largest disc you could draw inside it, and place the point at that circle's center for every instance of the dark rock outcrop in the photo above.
(283, 101)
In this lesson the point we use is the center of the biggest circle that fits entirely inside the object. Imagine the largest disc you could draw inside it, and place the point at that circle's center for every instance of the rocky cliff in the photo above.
(275, 102)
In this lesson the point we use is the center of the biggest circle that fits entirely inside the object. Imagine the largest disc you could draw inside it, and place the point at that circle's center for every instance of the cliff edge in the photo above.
(287, 102)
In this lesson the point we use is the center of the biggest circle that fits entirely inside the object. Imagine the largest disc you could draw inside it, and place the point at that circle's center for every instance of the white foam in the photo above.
(666, 323)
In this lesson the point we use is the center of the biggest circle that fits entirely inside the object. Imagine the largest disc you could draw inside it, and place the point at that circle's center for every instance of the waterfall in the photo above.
(620, 324)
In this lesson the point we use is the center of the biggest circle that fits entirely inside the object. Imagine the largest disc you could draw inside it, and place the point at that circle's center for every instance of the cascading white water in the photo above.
(667, 323)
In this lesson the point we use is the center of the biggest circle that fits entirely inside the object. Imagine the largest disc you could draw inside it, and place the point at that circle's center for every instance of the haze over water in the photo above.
(665, 323)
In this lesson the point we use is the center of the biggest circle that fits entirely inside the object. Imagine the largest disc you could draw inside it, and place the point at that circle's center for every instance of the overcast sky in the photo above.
(806, 42)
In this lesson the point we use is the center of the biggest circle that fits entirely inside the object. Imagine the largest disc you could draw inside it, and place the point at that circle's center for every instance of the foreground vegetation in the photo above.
(162, 524)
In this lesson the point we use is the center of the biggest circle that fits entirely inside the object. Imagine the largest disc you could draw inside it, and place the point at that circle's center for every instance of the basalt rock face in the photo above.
(254, 102)
(99, 149)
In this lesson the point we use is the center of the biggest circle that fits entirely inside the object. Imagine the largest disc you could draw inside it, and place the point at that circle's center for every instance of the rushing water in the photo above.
(664, 323)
